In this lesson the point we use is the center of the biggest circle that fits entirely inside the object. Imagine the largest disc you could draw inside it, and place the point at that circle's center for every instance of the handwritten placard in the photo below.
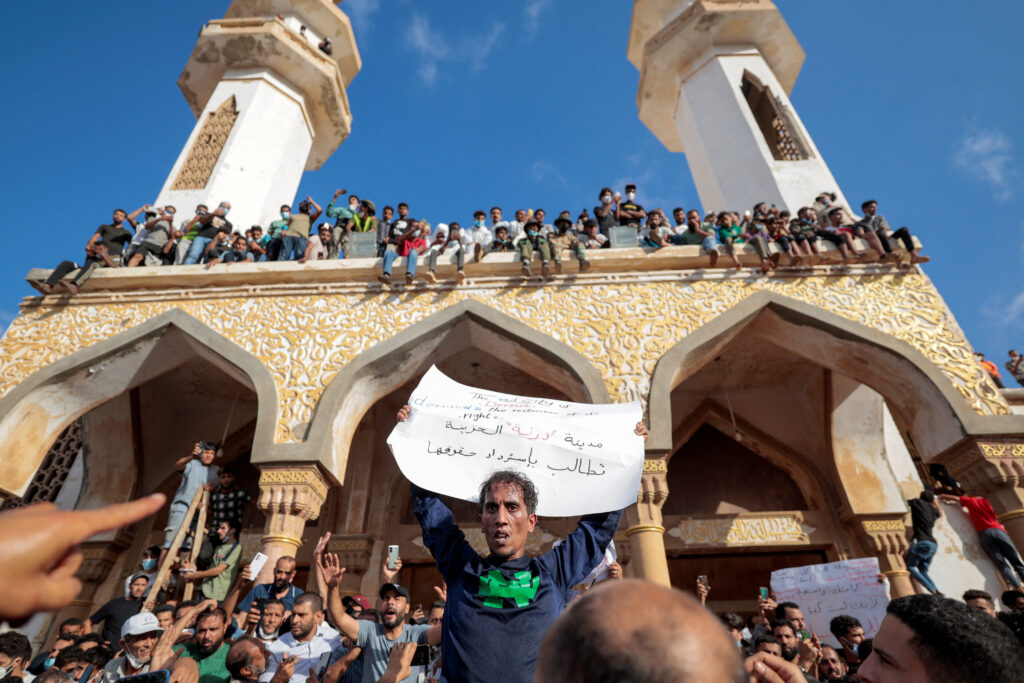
(582, 457)
(824, 591)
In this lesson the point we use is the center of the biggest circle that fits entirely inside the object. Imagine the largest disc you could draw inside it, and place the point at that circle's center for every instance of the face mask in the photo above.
(478, 224)
(49, 662)
(135, 662)
(353, 206)
(285, 215)
(149, 564)
(264, 635)
(6, 670)
(631, 196)
(606, 199)
(225, 210)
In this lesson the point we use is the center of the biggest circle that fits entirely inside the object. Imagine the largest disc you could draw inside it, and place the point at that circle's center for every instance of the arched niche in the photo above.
(921, 398)
(460, 338)
(35, 412)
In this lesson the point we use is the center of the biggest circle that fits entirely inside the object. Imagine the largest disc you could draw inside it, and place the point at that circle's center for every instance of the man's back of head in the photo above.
(660, 636)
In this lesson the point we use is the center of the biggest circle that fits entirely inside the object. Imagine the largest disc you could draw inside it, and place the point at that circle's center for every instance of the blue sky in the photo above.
(465, 105)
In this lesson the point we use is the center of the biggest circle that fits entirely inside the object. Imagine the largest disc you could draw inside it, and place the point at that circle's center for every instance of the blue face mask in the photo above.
(478, 224)
(49, 662)
(225, 210)
(285, 215)
(149, 564)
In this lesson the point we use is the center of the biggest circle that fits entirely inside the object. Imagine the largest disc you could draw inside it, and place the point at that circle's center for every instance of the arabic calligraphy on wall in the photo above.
(791, 528)
(622, 326)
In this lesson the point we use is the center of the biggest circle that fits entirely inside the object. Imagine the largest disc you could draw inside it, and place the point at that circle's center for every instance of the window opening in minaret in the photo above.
(206, 148)
(773, 118)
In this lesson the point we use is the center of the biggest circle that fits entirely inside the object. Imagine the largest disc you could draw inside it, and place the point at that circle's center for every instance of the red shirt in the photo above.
(411, 244)
(981, 512)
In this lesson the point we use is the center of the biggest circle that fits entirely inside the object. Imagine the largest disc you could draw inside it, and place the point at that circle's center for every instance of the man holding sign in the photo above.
(500, 606)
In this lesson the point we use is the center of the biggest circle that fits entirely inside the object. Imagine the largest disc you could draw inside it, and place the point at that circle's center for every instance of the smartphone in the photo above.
(703, 580)
(764, 593)
(321, 665)
(260, 603)
(805, 634)
(422, 656)
(392, 556)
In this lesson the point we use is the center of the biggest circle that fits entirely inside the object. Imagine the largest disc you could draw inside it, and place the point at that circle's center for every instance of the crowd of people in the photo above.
(156, 236)
(503, 616)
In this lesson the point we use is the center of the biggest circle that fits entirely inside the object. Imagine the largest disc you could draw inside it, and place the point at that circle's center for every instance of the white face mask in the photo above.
(631, 196)
(6, 670)
(264, 635)
(606, 199)
(133, 661)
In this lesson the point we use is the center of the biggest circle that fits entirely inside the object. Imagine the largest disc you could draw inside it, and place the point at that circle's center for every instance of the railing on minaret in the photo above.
(269, 104)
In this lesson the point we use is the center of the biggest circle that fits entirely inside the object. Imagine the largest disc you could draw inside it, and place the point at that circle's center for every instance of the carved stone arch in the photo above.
(35, 412)
(920, 396)
(817, 487)
(388, 365)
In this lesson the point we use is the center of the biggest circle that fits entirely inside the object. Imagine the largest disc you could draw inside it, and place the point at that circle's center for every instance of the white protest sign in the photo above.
(583, 458)
(824, 591)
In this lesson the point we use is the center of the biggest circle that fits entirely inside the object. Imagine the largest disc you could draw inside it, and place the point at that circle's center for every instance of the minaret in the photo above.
(714, 83)
(269, 104)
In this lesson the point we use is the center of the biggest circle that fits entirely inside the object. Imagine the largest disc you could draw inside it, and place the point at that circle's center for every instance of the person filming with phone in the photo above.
(281, 588)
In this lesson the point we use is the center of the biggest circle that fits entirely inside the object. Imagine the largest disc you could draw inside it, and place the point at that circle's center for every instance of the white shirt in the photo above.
(515, 230)
(474, 235)
(324, 640)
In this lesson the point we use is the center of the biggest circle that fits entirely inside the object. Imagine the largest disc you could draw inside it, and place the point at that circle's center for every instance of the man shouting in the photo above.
(500, 606)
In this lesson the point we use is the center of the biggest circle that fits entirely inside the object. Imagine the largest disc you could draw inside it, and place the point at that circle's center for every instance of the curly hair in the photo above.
(513, 478)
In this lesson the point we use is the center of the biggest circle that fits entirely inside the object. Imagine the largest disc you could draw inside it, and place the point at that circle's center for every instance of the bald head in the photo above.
(657, 635)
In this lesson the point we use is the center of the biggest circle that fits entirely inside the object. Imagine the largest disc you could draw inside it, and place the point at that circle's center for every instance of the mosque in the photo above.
(791, 416)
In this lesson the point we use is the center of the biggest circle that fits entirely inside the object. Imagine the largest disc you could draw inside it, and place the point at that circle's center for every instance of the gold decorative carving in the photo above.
(290, 477)
(209, 143)
(884, 525)
(1002, 450)
(655, 465)
(622, 325)
(354, 551)
(774, 529)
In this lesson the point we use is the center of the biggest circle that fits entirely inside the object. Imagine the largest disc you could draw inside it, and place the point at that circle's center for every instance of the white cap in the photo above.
(144, 622)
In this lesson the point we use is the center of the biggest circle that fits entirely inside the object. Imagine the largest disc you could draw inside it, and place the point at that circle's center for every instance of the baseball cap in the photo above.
(360, 600)
(143, 622)
(401, 590)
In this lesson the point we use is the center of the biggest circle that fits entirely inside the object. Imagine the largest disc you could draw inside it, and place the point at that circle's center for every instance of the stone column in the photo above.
(994, 470)
(290, 495)
(886, 539)
(645, 531)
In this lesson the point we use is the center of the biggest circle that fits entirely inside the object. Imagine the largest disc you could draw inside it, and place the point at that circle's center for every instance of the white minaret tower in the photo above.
(714, 83)
(269, 104)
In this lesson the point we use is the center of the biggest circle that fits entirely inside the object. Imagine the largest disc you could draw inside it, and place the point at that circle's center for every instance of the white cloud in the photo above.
(1015, 309)
(361, 12)
(532, 12)
(544, 171)
(434, 47)
(986, 155)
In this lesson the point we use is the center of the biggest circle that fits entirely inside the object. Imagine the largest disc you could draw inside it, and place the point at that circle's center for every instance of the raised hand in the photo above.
(442, 591)
(403, 413)
(331, 569)
(641, 430)
(390, 574)
(320, 545)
